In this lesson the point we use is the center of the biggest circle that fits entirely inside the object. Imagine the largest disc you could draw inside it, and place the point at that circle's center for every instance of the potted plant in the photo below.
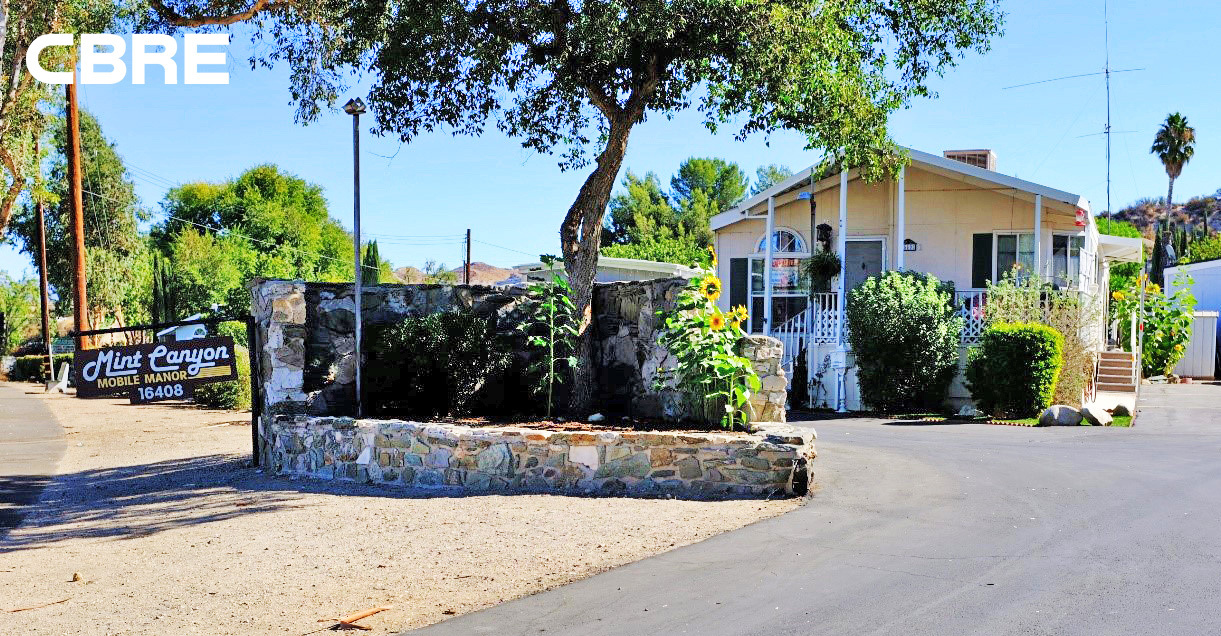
(821, 267)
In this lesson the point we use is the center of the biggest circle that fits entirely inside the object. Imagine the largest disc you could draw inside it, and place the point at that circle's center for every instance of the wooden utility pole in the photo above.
(44, 297)
(80, 301)
(467, 268)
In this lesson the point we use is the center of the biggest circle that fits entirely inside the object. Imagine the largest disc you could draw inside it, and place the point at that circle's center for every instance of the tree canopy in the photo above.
(116, 266)
(264, 223)
(768, 176)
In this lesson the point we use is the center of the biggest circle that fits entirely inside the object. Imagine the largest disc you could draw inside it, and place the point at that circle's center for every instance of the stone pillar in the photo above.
(765, 353)
(278, 307)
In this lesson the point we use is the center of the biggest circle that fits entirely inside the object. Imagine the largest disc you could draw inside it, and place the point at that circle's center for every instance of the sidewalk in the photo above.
(31, 443)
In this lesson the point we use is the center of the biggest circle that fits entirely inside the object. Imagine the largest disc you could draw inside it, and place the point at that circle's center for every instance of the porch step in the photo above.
(1125, 356)
(1118, 388)
(1115, 364)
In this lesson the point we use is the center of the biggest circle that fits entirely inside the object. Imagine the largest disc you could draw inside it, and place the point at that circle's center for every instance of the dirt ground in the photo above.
(167, 530)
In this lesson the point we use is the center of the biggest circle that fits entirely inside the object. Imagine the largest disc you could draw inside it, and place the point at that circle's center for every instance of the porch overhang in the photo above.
(1121, 249)
(755, 207)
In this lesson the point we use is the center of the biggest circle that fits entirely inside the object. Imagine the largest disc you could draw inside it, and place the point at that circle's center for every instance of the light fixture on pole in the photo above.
(355, 108)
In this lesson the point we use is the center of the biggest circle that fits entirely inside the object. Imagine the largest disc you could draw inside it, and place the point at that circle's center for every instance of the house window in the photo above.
(790, 286)
(1066, 259)
(783, 241)
(1014, 252)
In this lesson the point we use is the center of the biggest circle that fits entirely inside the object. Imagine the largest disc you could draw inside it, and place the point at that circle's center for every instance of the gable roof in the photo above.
(933, 163)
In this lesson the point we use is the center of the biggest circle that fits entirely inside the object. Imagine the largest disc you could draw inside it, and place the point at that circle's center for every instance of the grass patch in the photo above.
(1025, 421)
(1122, 420)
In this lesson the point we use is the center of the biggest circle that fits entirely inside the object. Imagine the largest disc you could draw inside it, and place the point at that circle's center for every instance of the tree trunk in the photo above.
(580, 237)
(1169, 199)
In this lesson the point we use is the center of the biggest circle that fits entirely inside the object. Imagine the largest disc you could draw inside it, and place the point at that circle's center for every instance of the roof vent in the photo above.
(980, 158)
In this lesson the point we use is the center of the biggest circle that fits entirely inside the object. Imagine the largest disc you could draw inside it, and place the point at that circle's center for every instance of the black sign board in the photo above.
(154, 372)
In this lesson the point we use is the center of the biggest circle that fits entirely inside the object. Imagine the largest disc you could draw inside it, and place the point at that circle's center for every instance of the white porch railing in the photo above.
(816, 324)
(970, 305)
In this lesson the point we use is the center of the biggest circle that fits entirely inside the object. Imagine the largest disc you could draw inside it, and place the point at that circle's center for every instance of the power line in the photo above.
(227, 232)
(504, 248)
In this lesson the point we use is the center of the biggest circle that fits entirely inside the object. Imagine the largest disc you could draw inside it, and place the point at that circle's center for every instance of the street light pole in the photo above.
(355, 108)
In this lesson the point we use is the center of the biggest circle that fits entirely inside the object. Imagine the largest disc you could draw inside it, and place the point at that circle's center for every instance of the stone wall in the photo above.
(307, 332)
(775, 460)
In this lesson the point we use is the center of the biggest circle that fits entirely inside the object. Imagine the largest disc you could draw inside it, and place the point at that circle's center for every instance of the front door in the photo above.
(863, 258)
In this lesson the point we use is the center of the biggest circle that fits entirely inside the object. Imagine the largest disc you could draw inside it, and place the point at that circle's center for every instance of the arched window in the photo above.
(784, 241)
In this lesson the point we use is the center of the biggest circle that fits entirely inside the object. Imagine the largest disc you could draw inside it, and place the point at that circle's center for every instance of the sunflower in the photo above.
(1118, 295)
(1154, 288)
(717, 321)
(710, 288)
(740, 314)
(1178, 347)
(712, 251)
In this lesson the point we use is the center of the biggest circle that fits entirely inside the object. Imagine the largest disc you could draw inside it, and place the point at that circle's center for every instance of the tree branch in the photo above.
(6, 207)
(177, 19)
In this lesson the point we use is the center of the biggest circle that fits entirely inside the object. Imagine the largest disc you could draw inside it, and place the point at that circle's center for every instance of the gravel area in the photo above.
(168, 532)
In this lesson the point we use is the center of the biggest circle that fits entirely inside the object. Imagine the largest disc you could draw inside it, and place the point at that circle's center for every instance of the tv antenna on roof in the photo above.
(1106, 72)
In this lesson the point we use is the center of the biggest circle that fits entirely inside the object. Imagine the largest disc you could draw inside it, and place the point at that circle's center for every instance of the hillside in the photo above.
(1193, 213)
(481, 274)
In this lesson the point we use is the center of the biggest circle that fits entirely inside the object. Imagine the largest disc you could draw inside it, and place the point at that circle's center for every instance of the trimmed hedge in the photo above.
(233, 395)
(29, 368)
(1013, 372)
(905, 335)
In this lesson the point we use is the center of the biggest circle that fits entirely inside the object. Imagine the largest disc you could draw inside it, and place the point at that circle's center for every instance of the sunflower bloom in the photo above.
(1118, 295)
(1178, 347)
(712, 251)
(710, 288)
(717, 321)
(740, 314)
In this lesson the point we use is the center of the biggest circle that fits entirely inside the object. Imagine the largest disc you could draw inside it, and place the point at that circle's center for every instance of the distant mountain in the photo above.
(481, 274)
(1194, 213)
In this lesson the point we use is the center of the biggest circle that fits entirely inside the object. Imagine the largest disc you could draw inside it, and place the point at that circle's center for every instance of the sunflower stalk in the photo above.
(710, 370)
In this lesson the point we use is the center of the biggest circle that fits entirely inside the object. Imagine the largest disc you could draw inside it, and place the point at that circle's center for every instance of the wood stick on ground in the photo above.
(25, 609)
(350, 619)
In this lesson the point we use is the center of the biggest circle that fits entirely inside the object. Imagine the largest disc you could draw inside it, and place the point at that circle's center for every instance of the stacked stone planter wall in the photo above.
(773, 461)
(307, 363)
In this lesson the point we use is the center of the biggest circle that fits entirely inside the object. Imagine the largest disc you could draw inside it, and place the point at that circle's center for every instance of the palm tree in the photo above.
(1174, 144)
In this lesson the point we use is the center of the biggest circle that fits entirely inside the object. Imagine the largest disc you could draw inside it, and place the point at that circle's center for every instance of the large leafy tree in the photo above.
(636, 211)
(263, 223)
(24, 100)
(722, 182)
(768, 176)
(117, 269)
(574, 77)
(1174, 144)
(18, 310)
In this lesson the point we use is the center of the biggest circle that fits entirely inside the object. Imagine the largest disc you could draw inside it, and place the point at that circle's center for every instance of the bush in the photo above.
(1202, 249)
(29, 368)
(435, 365)
(1013, 372)
(234, 395)
(905, 335)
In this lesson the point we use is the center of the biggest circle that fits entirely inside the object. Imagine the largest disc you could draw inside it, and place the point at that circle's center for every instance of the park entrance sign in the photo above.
(154, 372)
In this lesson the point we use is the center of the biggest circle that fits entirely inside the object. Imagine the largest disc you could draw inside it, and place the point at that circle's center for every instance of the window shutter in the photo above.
(739, 281)
(981, 260)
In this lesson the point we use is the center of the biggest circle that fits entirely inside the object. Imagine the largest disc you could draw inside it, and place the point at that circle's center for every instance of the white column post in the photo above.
(767, 266)
(841, 245)
(1038, 236)
(901, 223)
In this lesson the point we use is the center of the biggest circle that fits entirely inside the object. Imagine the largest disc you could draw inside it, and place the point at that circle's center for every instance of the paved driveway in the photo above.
(945, 529)
(31, 443)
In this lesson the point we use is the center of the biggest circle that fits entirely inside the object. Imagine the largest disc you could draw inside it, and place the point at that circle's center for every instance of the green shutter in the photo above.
(739, 281)
(981, 260)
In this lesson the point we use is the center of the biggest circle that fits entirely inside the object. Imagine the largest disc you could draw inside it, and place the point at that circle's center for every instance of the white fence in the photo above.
(1200, 359)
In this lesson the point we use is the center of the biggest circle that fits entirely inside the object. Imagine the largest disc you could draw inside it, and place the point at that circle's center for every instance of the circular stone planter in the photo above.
(775, 460)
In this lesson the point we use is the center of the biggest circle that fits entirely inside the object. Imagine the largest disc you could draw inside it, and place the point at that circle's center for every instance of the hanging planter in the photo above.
(821, 267)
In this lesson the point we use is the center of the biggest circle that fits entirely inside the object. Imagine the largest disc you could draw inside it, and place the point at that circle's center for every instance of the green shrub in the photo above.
(435, 365)
(29, 368)
(905, 335)
(1202, 249)
(233, 395)
(1013, 372)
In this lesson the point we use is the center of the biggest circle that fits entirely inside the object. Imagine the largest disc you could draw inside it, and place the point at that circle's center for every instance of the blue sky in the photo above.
(513, 199)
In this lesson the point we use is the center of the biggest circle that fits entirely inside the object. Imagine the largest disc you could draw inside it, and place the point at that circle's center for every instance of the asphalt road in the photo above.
(946, 530)
(31, 443)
